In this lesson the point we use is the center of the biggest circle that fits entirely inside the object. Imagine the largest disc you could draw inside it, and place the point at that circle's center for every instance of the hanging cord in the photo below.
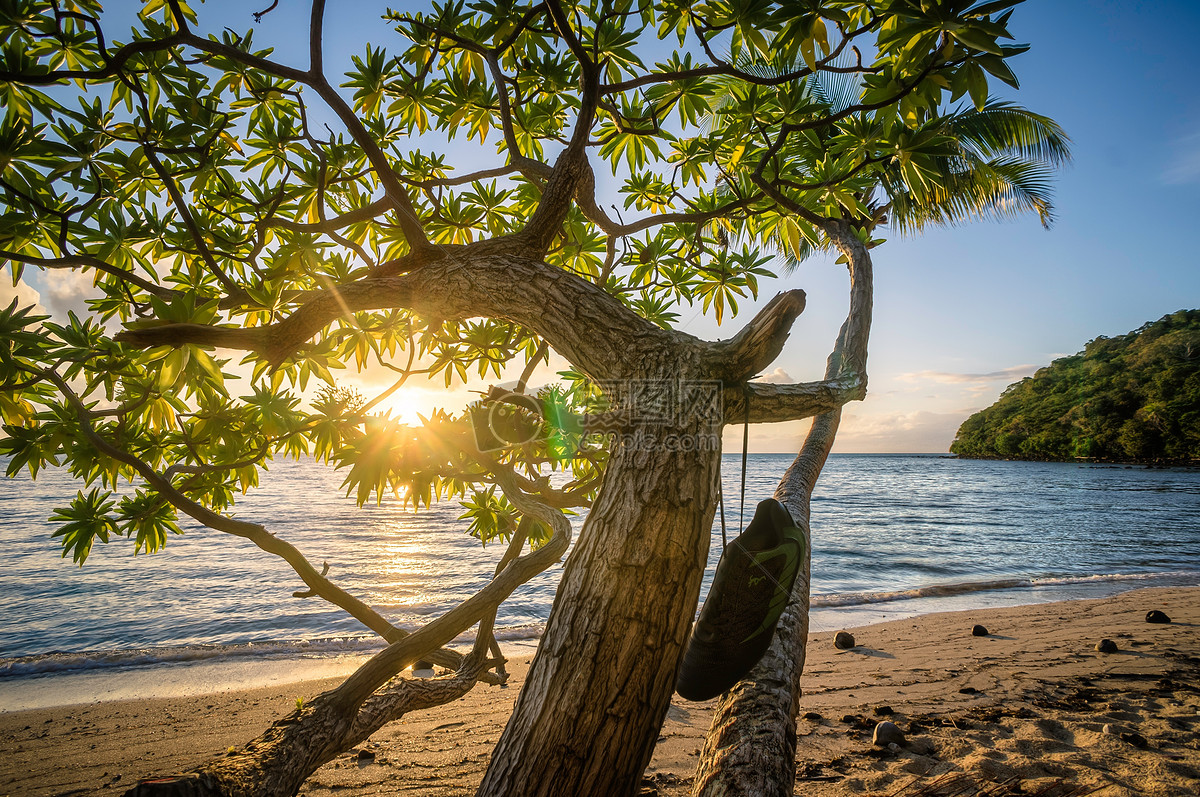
(721, 504)
(745, 449)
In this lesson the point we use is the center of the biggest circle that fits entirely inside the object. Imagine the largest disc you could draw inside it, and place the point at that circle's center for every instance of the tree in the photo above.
(191, 177)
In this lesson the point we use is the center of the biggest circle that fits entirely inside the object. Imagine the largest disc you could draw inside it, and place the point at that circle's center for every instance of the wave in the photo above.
(64, 662)
(1060, 580)
(67, 662)
(844, 599)
(838, 599)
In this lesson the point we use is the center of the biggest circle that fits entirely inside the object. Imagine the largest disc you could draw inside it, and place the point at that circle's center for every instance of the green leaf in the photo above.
(85, 520)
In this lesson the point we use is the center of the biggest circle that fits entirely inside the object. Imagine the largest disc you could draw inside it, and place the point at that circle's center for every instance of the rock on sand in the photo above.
(887, 733)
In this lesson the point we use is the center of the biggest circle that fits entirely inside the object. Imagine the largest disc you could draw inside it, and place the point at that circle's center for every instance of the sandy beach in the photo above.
(1032, 708)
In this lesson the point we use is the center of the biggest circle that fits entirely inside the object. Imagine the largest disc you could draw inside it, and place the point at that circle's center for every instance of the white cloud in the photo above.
(776, 377)
(24, 293)
(68, 290)
(899, 433)
(1004, 375)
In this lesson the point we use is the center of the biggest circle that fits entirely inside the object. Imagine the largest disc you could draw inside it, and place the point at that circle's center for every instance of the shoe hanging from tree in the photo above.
(748, 594)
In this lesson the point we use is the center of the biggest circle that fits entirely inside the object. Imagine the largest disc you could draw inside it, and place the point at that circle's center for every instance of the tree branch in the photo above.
(751, 746)
(759, 342)
(407, 217)
(113, 64)
(571, 167)
(598, 334)
(88, 261)
(771, 403)
(315, 733)
(365, 213)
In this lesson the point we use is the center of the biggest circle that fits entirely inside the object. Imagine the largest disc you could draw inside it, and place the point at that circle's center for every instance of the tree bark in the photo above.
(600, 684)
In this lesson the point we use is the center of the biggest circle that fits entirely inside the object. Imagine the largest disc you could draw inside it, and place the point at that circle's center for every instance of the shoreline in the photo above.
(1028, 702)
(191, 670)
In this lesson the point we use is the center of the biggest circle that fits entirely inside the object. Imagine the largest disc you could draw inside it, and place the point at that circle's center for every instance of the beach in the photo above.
(1032, 703)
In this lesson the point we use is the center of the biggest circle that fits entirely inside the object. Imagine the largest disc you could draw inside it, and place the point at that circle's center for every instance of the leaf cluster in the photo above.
(198, 181)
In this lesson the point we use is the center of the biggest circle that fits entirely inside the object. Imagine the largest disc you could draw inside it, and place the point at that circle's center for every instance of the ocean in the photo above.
(893, 536)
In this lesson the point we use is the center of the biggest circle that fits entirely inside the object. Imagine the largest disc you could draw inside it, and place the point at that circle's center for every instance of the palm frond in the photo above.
(1005, 128)
(1000, 189)
(837, 90)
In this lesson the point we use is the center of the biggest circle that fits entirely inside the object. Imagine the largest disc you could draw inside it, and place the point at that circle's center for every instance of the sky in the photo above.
(959, 313)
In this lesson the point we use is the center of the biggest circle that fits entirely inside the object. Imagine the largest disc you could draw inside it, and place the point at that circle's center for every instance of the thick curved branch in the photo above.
(759, 342)
(571, 167)
(751, 747)
(404, 695)
(494, 279)
(282, 758)
(771, 403)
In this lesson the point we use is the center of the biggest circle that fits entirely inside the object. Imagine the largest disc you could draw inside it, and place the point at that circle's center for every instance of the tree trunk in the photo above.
(599, 687)
(750, 749)
(280, 760)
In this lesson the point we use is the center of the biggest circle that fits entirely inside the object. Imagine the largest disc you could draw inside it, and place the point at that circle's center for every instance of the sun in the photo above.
(404, 405)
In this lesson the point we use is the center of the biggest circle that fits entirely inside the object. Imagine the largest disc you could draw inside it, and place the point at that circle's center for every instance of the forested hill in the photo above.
(1131, 398)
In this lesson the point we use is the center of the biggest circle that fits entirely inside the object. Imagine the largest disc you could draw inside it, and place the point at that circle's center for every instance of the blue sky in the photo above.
(961, 313)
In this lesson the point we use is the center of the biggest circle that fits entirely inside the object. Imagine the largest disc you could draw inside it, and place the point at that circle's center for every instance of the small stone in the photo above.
(366, 755)
(423, 665)
(1106, 646)
(844, 640)
(895, 748)
(883, 711)
(813, 716)
(1135, 739)
(1110, 729)
(978, 630)
(851, 719)
(1155, 616)
(887, 733)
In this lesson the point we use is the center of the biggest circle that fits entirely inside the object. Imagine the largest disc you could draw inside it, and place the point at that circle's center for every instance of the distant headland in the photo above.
(1133, 398)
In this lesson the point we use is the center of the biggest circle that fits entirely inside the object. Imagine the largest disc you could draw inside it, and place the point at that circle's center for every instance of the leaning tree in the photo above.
(227, 203)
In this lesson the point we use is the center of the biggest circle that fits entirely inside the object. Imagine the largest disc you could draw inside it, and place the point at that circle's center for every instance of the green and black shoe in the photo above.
(749, 592)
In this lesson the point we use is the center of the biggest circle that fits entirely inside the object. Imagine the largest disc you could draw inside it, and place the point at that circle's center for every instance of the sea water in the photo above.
(893, 536)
